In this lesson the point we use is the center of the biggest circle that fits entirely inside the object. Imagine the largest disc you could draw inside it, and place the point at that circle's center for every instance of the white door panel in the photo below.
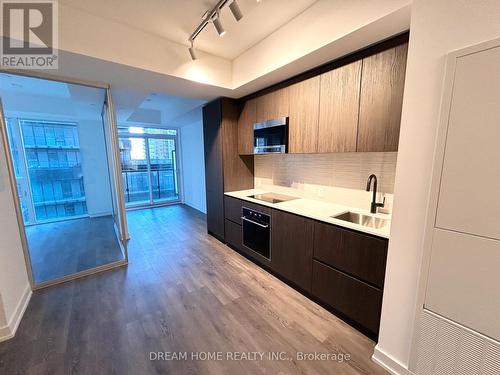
(469, 196)
(463, 281)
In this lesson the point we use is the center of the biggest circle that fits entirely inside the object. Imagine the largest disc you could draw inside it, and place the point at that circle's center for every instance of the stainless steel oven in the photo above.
(271, 137)
(256, 231)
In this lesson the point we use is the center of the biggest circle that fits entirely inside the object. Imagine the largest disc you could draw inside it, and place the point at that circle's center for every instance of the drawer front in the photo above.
(292, 238)
(232, 209)
(327, 242)
(363, 256)
(357, 254)
(233, 234)
(358, 301)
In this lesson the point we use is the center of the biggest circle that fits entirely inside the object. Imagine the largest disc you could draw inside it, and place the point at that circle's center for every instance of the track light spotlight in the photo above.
(235, 9)
(218, 25)
(192, 52)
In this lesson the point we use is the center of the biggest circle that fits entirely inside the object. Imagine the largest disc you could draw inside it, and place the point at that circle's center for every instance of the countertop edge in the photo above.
(327, 220)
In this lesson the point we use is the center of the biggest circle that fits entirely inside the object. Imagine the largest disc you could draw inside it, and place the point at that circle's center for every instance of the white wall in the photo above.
(193, 165)
(95, 167)
(325, 31)
(437, 27)
(90, 35)
(14, 282)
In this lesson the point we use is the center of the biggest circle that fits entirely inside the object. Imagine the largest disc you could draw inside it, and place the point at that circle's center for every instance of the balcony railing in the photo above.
(137, 190)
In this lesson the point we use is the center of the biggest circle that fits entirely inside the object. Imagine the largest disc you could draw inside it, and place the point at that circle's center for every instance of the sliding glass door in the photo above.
(135, 170)
(163, 170)
(149, 166)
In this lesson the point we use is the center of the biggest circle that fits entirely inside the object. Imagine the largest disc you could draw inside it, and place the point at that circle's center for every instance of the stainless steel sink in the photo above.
(360, 219)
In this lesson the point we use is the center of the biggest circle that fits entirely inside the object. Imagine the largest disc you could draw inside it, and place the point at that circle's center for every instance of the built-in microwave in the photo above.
(271, 136)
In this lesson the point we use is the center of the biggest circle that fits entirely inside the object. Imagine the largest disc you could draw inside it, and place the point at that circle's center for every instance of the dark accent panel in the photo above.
(353, 298)
(292, 242)
(212, 134)
(232, 209)
(352, 252)
(225, 170)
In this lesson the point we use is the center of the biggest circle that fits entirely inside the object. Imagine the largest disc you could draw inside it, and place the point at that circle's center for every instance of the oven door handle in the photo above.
(254, 222)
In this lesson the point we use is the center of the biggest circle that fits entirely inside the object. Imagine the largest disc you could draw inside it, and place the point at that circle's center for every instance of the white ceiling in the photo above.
(175, 20)
(26, 85)
(33, 97)
(26, 95)
(139, 48)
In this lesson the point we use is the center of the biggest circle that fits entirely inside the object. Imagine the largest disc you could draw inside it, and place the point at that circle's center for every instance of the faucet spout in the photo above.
(374, 204)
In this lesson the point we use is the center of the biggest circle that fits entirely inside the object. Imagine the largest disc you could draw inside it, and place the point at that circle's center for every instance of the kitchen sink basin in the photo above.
(360, 219)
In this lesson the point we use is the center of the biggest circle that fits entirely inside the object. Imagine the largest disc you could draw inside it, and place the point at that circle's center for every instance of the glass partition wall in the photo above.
(60, 141)
(148, 158)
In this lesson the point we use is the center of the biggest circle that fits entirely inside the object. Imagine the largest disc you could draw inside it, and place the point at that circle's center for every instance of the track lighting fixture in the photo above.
(218, 25)
(192, 51)
(213, 16)
(235, 9)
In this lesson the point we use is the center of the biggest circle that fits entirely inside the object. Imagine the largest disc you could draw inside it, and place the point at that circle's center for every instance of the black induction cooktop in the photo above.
(272, 197)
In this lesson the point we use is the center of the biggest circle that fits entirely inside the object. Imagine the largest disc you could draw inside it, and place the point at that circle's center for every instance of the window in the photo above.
(149, 165)
(48, 169)
(124, 130)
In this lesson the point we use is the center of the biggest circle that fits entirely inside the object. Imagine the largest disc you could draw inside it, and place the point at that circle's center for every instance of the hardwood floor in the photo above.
(65, 247)
(183, 291)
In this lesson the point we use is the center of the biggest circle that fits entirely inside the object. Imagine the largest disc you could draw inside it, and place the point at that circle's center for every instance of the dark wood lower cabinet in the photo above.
(360, 255)
(233, 234)
(232, 209)
(342, 268)
(355, 299)
(292, 247)
(215, 221)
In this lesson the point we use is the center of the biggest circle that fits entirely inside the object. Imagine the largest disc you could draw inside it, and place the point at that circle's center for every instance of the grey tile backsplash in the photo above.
(344, 170)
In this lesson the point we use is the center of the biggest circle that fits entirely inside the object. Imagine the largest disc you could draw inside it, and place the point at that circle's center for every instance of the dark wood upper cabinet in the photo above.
(381, 100)
(304, 112)
(292, 247)
(273, 105)
(245, 127)
(238, 170)
(339, 108)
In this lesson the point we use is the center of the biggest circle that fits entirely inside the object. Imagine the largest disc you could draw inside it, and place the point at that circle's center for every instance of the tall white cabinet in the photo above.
(460, 324)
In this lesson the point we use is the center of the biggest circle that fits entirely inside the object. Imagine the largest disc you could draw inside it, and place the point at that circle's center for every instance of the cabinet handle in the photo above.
(254, 222)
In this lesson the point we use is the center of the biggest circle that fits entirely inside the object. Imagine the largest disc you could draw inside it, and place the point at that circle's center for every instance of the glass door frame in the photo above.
(122, 232)
(177, 176)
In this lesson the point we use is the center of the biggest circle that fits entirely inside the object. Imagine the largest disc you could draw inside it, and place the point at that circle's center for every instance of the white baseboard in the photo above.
(389, 363)
(8, 331)
(195, 206)
(100, 214)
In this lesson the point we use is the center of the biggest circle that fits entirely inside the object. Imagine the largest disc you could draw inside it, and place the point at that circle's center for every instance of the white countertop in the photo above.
(316, 209)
